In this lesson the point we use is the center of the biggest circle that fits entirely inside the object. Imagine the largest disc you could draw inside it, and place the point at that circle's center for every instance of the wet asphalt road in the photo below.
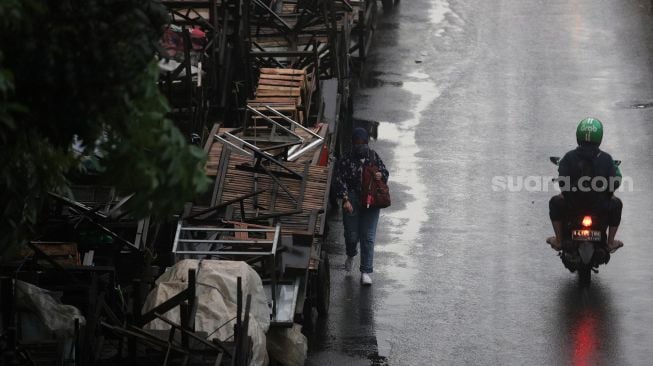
(467, 90)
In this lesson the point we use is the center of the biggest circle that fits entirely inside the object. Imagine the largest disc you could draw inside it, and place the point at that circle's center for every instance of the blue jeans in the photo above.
(360, 226)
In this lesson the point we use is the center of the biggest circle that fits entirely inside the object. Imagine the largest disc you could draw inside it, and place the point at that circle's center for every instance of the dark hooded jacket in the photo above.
(578, 170)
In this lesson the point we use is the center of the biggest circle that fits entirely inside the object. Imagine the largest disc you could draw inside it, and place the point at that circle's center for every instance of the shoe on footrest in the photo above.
(616, 244)
(554, 243)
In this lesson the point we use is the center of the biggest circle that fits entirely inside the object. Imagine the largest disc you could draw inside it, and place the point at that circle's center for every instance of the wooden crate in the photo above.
(63, 253)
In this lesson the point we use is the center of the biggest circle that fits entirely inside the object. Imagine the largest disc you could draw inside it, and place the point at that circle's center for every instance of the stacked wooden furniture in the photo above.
(289, 91)
(235, 177)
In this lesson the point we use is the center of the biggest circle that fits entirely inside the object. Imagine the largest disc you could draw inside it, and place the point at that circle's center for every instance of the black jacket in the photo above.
(587, 176)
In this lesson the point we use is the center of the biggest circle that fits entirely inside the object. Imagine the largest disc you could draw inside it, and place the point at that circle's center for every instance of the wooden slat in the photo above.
(61, 252)
(282, 71)
(213, 161)
(280, 108)
(282, 89)
(276, 100)
(209, 140)
(296, 84)
(282, 77)
(291, 92)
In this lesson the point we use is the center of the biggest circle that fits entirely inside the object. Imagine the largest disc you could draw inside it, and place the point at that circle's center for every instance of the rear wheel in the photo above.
(584, 276)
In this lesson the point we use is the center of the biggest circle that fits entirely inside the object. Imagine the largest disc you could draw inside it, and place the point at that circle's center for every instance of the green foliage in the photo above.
(164, 170)
(84, 69)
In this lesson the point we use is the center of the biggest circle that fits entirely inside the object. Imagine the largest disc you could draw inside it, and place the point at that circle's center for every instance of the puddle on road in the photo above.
(377, 73)
(405, 169)
(404, 224)
(634, 105)
(420, 76)
(440, 10)
(379, 79)
(376, 83)
(406, 165)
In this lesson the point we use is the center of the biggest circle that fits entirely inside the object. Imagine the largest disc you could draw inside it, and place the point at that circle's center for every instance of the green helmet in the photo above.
(589, 130)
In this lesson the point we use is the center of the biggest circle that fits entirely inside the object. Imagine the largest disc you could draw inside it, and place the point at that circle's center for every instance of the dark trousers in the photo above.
(360, 227)
(608, 209)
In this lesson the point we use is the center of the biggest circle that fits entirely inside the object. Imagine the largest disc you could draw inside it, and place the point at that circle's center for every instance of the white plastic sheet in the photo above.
(216, 300)
(288, 346)
(58, 318)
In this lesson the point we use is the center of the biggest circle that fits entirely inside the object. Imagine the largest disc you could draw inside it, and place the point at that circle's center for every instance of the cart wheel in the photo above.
(323, 285)
(307, 316)
(387, 5)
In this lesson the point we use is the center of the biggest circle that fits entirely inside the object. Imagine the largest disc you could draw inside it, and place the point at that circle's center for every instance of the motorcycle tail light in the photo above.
(587, 221)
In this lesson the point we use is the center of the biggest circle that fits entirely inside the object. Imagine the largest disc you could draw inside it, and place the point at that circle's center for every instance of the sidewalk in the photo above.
(347, 336)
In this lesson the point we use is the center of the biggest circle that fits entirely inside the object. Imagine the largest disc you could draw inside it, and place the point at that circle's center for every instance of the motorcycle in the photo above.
(584, 243)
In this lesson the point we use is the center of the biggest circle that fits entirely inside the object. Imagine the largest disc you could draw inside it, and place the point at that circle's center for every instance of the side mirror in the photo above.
(555, 159)
(617, 163)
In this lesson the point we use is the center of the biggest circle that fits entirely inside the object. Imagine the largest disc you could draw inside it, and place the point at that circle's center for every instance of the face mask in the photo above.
(360, 150)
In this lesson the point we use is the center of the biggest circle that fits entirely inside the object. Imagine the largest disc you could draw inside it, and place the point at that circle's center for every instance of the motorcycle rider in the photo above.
(580, 172)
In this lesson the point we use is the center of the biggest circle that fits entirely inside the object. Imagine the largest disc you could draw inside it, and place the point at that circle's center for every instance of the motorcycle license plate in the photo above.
(586, 235)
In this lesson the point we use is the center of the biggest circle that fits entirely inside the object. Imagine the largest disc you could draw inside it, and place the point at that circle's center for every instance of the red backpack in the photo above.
(374, 193)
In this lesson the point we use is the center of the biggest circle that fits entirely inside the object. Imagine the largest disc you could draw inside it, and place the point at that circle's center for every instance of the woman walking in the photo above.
(359, 221)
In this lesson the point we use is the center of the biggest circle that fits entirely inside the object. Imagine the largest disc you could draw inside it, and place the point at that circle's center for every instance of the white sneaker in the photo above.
(349, 263)
(366, 279)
